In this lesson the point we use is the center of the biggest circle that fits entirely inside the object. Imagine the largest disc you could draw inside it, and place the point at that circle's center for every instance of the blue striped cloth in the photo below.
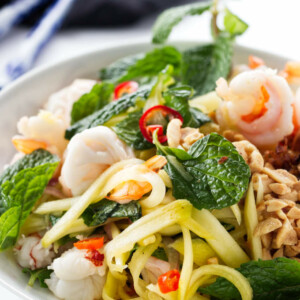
(35, 41)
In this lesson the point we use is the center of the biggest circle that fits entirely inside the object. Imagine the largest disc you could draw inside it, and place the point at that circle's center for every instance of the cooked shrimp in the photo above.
(88, 154)
(45, 130)
(26, 145)
(31, 254)
(291, 73)
(75, 264)
(89, 288)
(173, 133)
(134, 190)
(60, 103)
(258, 104)
(255, 62)
(297, 110)
(76, 277)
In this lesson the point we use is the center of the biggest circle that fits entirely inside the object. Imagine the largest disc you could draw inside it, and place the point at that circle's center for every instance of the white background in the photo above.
(274, 26)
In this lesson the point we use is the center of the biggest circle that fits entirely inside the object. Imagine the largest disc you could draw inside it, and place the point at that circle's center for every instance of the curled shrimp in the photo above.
(255, 62)
(88, 155)
(44, 131)
(75, 277)
(134, 190)
(258, 104)
(26, 145)
(30, 253)
(61, 102)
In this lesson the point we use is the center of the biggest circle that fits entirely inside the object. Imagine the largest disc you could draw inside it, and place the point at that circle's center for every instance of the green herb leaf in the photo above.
(160, 253)
(270, 279)
(39, 274)
(203, 66)
(141, 65)
(98, 97)
(212, 174)
(107, 112)
(98, 213)
(233, 24)
(22, 184)
(171, 17)
(177, 98)
(164, 79)
(128, 130)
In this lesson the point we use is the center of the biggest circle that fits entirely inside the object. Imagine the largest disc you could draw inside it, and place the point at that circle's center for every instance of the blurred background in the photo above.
(77, 26)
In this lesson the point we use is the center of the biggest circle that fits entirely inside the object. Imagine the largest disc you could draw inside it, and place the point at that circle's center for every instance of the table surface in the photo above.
(273, 26)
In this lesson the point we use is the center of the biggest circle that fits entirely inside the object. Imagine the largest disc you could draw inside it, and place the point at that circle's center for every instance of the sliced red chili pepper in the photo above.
(90, 244)
(126, 87)
(157, 117)
(168, 282)
(152, 128)
(95, 257)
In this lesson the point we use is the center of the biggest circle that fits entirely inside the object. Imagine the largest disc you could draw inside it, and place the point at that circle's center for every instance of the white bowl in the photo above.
(27, 94)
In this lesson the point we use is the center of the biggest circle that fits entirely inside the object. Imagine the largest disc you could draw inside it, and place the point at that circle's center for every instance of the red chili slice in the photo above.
(157, 117)
(90, 244)
(126, 87)
(168, 282)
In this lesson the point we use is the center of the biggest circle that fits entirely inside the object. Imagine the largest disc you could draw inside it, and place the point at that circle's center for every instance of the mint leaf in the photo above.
(107, 112)
(270, 279)
(160, 253)
(198, 118)
(22, 184)
(137, 66)
(98, 97)
(171, 17)
(98, 213)
(204, 65)
(163, 81)
(212, 174)
(128, 130)
(38, 274)
(177, 98)
(233, 24)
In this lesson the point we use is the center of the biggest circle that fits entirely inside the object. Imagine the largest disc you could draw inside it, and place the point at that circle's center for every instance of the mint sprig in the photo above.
(22, 184)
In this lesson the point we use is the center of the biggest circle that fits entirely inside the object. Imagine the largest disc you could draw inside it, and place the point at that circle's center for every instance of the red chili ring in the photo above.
(145, 130)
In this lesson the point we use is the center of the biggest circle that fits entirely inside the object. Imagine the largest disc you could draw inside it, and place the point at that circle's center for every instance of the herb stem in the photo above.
(214, 27)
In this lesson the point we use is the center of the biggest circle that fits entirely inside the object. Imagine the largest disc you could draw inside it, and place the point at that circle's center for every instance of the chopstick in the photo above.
(36, 40)
(14, 13)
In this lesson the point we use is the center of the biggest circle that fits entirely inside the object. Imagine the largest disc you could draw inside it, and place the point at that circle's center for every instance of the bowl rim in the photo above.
(48, 67)
(139, 42)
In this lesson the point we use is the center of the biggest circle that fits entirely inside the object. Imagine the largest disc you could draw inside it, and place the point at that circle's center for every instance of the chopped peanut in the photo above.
(296, 248)
(233, 136)
(266, 240)
(275, 205)
(278, 253)
(266, 226)
(290, 196)
(296, 186)
(265, 179)
(213, 261)
(189, 136)
(289, 251)
(279, 188)
(294, 213)
(173, 133)
(251, 155)
(269, 166)
(266, 255)
(281, 176)
(280, 214)
(286, 235)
